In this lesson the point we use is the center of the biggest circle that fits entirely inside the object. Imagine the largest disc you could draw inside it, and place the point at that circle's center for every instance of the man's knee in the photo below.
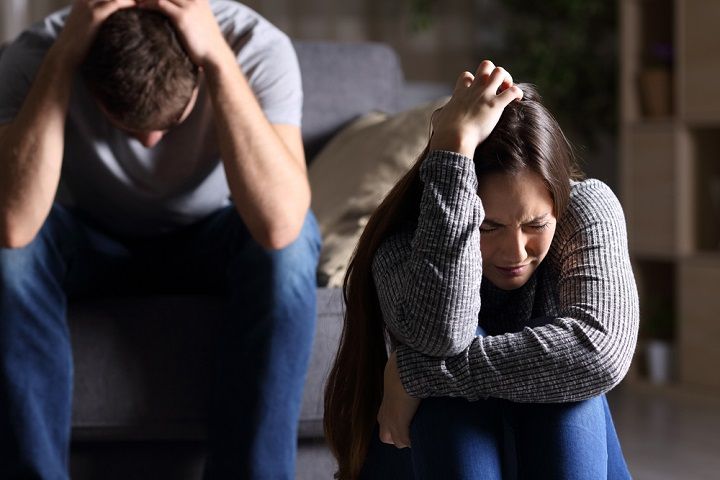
(293, 266)
(303, 253)
(19, 265)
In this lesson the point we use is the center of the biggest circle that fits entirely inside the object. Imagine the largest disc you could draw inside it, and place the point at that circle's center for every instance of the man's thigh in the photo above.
(210, 255)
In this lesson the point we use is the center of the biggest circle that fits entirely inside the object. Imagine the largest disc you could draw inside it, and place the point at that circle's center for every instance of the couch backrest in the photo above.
(342, 81)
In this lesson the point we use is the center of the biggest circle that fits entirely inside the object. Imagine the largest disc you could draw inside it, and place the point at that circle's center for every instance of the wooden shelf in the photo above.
(670, 171)
(698, 60)
(655, 190)
(705, 151)
(699, 332)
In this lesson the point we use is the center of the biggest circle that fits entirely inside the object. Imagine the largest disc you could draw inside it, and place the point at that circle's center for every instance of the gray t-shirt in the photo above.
(136, 191)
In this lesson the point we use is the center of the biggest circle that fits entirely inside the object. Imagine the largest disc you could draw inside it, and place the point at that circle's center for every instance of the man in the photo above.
(155, 144)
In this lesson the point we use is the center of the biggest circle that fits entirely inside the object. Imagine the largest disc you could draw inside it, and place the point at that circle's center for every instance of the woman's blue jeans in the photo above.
(493, 439)
(263, 348)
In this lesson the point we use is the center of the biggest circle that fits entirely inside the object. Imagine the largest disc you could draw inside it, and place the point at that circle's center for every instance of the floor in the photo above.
(668, 433)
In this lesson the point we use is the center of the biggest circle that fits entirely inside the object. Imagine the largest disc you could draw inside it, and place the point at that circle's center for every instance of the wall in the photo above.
(15, 15)
(437, 51)
(449, 42)
(449, 37)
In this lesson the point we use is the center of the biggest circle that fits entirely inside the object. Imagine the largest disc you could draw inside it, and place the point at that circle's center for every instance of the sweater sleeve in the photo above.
(428, 282)
(581, 352)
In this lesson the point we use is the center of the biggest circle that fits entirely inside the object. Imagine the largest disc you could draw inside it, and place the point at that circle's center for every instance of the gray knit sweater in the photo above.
(568, 334)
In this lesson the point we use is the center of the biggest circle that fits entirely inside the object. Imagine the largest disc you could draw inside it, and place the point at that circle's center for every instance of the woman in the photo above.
(498, 277)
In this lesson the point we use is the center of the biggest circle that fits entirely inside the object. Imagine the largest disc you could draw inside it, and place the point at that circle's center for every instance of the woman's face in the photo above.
(518, 228)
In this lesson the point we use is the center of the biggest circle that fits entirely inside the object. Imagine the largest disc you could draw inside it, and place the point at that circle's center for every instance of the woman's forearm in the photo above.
(585, 344)
(428, 282)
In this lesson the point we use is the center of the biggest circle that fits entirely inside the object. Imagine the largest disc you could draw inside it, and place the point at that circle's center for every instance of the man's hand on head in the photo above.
(198, 29)
(82, 25)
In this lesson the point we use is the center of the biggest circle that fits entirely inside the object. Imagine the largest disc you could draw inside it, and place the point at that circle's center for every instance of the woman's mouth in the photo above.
(514, 271)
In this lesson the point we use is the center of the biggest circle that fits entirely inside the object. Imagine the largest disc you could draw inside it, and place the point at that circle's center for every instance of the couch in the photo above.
(142, 363)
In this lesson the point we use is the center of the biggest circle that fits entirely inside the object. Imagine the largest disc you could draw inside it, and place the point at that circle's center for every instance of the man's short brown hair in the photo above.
(139, 71)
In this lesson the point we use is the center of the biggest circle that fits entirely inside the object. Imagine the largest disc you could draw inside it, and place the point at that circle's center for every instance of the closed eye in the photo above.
(540, 228)
(486, 228)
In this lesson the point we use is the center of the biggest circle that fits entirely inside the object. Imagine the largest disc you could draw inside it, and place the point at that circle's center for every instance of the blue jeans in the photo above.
(493, 439)
(263, 348)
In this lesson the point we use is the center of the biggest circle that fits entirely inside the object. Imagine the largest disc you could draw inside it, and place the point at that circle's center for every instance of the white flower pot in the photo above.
(659, 358)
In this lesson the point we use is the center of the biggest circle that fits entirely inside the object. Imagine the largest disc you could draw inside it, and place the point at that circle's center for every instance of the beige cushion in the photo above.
(354, 172)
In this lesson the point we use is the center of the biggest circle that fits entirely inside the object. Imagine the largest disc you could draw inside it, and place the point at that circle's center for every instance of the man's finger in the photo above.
(106, 8)
(169, 8)
(166, 3)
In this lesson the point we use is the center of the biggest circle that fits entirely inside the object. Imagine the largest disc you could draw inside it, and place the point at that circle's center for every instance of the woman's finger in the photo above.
(402, 440)
(507, 83)
(464, 80)
(386, 437)
(508, 95)
(498, 76)
(485, 69)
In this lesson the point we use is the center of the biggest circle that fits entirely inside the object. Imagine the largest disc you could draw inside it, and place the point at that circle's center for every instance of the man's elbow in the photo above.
(13, 237)
(278, 237)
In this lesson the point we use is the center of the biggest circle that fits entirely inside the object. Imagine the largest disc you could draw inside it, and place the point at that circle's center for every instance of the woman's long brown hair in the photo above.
(527, 136)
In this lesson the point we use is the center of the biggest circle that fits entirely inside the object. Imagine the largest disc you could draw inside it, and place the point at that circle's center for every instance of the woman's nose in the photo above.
(515, 247)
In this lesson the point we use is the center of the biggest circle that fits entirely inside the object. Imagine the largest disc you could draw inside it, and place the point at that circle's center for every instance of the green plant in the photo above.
(568, 48)
(421, 14)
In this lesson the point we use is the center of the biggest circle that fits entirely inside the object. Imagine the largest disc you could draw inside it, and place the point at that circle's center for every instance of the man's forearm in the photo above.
(31, 150)
(267, 179)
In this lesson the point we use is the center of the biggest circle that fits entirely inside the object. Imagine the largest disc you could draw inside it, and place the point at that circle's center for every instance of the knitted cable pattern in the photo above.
(568, 334)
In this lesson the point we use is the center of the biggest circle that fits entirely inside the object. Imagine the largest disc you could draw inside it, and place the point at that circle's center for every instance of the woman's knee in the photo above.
(566, 440)
(462, 439)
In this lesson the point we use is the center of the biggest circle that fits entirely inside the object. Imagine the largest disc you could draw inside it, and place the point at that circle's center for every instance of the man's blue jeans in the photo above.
(263, 347)
(493, 439)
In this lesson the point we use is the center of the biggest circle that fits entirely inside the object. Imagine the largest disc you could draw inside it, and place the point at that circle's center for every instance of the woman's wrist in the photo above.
(453, 143)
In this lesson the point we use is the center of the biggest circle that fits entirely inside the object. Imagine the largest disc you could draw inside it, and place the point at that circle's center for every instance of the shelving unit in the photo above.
(670, 172)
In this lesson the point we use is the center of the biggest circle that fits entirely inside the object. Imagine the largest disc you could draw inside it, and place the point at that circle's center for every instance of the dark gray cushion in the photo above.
(143, 364)
(342, 81)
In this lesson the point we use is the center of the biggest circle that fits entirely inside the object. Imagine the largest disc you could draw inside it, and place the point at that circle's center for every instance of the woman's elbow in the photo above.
(606, 374)
(444, 345)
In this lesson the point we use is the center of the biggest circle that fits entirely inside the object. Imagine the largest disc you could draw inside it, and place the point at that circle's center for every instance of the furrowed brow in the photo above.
(492, 223)
(538, 219)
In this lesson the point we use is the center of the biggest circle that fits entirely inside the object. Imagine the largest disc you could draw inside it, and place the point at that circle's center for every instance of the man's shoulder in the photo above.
(242, 25)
